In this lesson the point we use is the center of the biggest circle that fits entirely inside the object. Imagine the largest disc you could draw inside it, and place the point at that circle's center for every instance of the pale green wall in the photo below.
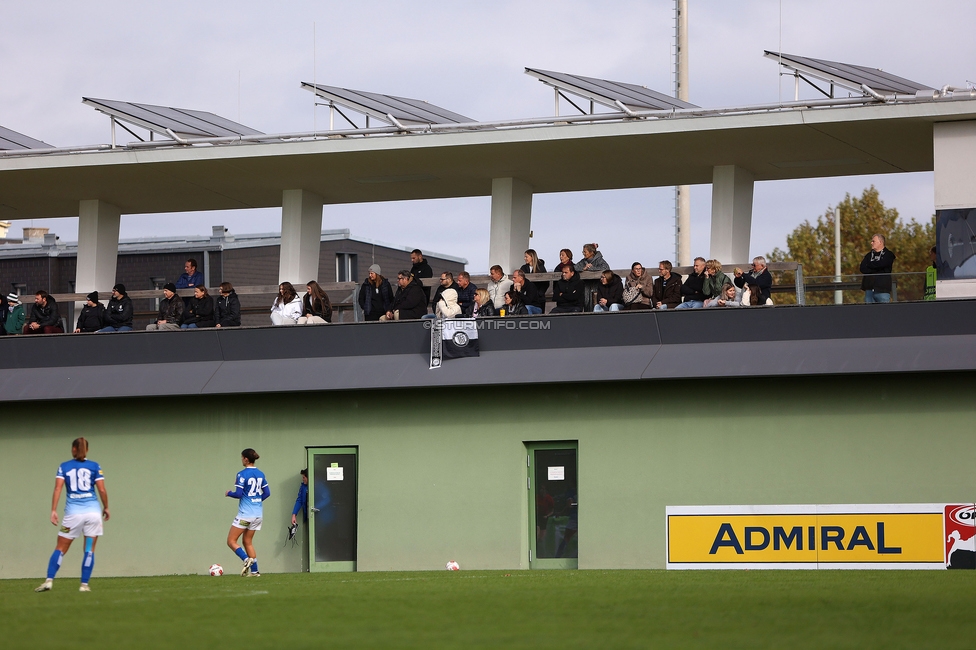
(442, 472)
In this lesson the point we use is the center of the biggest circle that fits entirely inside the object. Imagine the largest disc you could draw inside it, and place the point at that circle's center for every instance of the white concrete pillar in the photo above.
(511, 219)
(954, 158)
(731, 214)
(98, 246)
(301, 236)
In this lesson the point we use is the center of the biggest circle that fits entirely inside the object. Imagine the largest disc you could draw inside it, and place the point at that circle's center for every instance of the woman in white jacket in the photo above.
(447, 306)
(287, 307)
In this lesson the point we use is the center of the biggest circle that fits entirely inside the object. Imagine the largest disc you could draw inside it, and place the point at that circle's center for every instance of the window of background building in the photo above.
(346, 267)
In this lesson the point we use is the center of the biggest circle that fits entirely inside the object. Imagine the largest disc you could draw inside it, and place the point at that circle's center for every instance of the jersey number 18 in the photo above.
(80, 479)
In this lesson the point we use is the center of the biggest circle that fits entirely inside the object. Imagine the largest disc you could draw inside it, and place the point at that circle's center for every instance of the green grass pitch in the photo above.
(491, 609)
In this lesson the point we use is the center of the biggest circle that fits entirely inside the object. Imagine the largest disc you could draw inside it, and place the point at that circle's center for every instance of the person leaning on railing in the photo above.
(757, 280)
(92, 316)
(228, 308)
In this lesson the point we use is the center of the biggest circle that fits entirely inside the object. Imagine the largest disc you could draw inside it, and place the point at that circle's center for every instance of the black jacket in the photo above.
(410, 301)
(763, 281)
(91, 319)
(200, 311)
(419, 271)
(119, 312)
(516, 309)
(667, 293)
(876, 268)
(228, 310)
(541, 286)
(485, 311)
(440, 289)
(613, 291)
(692, 288)
(376, 301)
(171, 310)
(322, 309)
(569, 293)
(532, 296)
(45, 316)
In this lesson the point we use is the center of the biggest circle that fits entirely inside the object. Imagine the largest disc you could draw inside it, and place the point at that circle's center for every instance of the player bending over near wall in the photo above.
(252, 489)
(82, 513)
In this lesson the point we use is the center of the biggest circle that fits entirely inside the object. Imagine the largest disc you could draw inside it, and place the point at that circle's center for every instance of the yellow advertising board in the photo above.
(808, 536)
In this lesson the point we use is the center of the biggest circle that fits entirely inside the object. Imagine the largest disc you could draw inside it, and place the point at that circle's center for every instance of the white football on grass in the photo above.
(216, 570)
(453, 566)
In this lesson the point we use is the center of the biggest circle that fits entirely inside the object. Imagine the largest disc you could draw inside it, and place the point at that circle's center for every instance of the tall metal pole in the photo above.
(838, 295)
(682, 193)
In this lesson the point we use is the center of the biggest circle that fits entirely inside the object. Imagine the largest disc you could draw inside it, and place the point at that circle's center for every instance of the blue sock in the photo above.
(240, 553)
(54, 564)
(254, 566)
(87, 566)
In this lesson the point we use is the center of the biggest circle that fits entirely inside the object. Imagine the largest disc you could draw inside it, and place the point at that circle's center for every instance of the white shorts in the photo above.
(249, 523)
(87, 523)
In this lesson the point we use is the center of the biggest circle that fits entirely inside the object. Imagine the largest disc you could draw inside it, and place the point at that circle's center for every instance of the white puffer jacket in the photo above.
(287, 313)
(447, 306)
(496, 291)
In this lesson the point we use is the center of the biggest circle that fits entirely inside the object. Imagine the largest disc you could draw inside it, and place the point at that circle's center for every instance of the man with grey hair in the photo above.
(758, 279)
(876, 267)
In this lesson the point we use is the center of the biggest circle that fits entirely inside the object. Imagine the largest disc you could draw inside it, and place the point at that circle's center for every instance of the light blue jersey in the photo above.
(79, 479)
(251, 485)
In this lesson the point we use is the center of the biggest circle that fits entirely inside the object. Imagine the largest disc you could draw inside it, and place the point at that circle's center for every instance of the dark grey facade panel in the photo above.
(873, 78)
(11, 140)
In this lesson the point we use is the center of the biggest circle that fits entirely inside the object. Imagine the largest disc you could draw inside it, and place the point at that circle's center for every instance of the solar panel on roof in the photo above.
(403, 109)
(182, 121)
(12, 141)
(849, 75)
(607, 93)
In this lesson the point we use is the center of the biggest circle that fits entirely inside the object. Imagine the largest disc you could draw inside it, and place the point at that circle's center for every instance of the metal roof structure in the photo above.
(846, 75)
(168, 121)
(390, 109)
(612, 94)
(11, 140)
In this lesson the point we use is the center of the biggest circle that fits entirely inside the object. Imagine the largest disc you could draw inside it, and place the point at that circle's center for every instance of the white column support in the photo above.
(954, 158)
(731, 214)
(511, 219)
(98, 246)
(301, 237)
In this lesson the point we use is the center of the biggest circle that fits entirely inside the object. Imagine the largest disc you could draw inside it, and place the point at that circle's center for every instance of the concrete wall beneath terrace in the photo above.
(442, 473)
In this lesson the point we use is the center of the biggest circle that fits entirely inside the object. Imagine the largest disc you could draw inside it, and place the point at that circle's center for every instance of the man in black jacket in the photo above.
(535, 303)
(692, 286)
(447, 282)
(420, 270)
(228, 310)
(170, 310)
(44, 318)
(118, 314)
(409, 302)
(876, 267)
(568, 293)
(92, 317)
(667, 287)
(758, 279)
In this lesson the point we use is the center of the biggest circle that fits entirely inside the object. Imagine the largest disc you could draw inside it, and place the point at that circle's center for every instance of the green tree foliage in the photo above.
(812, 245)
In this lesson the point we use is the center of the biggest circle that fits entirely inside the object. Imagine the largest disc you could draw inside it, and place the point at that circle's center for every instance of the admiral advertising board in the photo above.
(881, 536)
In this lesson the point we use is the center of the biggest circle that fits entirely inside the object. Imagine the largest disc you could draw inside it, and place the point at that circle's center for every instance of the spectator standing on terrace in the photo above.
(447, 306)
(692, 286)
(568, 293)
(610, 293)
(408, 302)
(316, 306)
(876, 267)
(447, 282)
(514, 305)
(534, 265)
(171, 308)
(421, 270)
(118, 314)
(376, 295)
(44, 317)
(482, 306)
(199, 310)
(14, 323)
(565, 259)
(228, 309)
(715, 280)
(639, 288)
(92, 317)
(758, 279)
(931, 275)
(465, 291)
(497, 286)
(191, 277)
(534, 301)
(667, 287)
(287, 306)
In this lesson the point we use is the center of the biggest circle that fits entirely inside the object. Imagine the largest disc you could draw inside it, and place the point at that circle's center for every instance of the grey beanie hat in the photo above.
(375, 268)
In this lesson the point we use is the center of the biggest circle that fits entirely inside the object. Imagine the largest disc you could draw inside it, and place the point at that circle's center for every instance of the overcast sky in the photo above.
(245, 59)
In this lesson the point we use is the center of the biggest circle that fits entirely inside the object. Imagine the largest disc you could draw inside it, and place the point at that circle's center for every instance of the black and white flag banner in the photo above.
(453, 338)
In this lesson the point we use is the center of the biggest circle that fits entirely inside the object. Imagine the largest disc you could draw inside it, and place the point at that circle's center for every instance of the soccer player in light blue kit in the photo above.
(82, 512)
(252, 489)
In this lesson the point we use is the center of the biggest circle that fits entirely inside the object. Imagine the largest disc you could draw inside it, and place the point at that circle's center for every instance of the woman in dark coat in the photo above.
(199, 310)
(316, 306)
(514, 305)
(228, 309)
(534, 265)
(376, 295)
(610, 293)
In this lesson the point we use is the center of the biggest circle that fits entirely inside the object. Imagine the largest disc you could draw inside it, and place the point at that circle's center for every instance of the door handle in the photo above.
(316, 510)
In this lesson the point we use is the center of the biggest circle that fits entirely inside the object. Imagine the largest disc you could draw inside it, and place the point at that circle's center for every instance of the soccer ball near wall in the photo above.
(216, 570)
(453, 566)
